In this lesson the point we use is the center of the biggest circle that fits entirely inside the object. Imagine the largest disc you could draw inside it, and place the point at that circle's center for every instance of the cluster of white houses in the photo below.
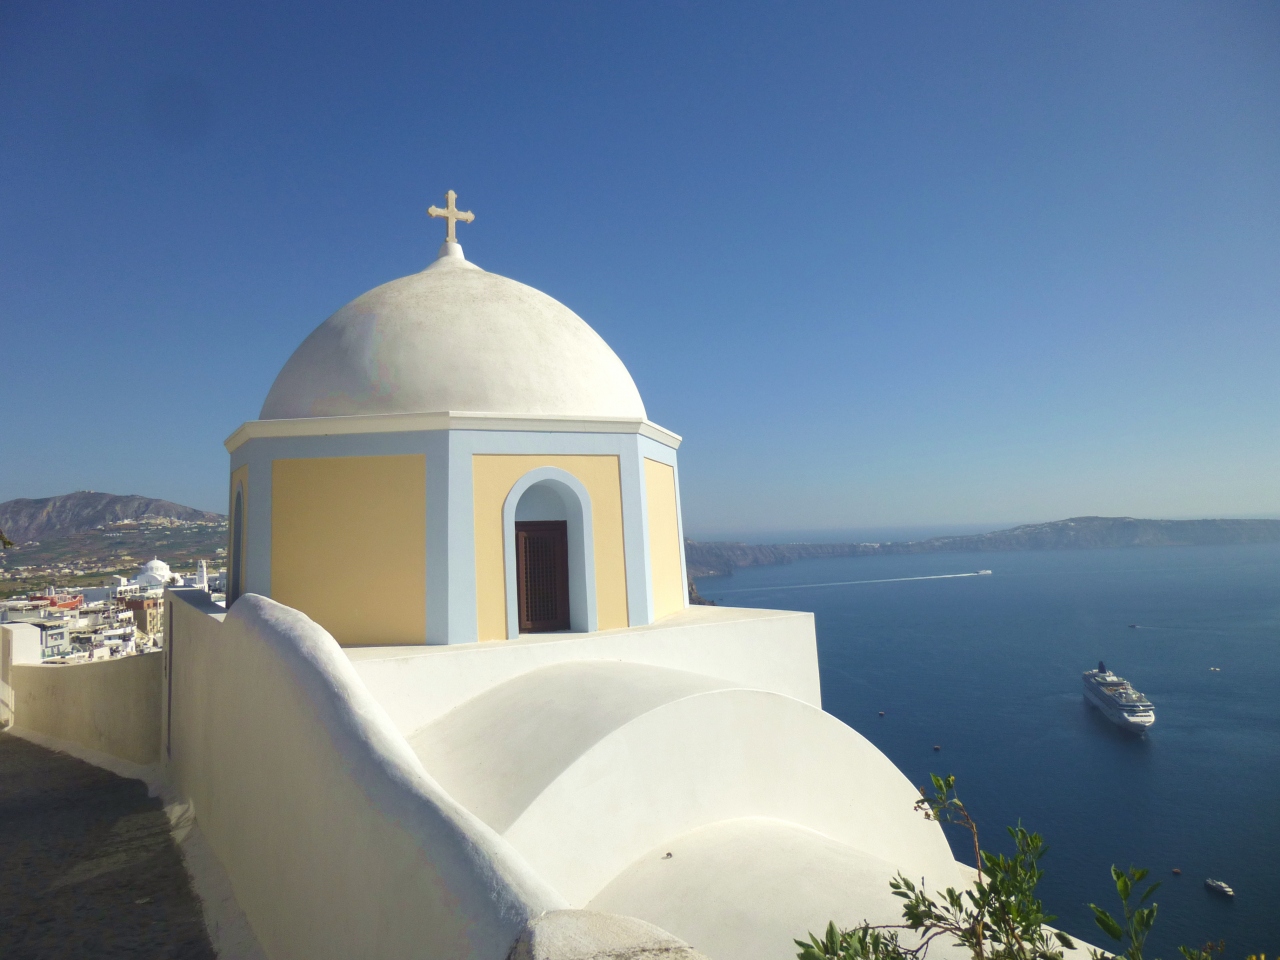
(94, 623)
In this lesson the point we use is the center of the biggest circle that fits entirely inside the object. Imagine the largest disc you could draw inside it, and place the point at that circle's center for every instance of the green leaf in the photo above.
(833, 938)
(1150, 890)
(1144, 920)
(1124, 887)
(1064, 940)
(812, 950)
(1106, 922)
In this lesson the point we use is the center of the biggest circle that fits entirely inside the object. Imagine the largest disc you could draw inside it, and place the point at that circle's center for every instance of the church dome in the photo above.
(154, 573)
(454, 338)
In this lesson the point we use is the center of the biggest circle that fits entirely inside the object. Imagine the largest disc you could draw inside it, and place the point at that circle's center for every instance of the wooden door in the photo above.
(542, 575)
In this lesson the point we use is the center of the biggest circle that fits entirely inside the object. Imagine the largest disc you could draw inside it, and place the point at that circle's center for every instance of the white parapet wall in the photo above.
(107, 706)
(773, 650)
(336, 841)
(681, 772)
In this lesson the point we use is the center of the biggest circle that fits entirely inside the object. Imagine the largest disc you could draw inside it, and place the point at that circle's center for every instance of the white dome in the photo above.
(154, 573)
(454, 338)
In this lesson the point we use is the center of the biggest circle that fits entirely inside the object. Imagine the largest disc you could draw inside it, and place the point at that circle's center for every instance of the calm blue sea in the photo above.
(988, 668)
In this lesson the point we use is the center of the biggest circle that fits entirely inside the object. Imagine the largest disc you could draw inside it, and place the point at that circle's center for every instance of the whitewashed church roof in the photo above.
(454, 338)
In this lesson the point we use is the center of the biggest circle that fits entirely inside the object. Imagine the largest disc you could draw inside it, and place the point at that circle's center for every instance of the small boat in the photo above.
(982, 573)
(1177, 872)
(1218, 886)
(1133, 626)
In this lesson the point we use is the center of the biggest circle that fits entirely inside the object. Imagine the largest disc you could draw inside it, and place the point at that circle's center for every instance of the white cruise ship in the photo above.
(1118, 701)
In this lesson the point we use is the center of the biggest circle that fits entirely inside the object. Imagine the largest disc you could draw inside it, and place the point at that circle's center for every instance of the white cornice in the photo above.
(413, 422)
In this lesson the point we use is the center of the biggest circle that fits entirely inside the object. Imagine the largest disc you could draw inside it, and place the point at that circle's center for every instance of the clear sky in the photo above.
(881, 265)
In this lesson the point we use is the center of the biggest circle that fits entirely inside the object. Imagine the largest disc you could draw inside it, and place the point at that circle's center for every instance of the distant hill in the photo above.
(1078, 533)
(72, 513)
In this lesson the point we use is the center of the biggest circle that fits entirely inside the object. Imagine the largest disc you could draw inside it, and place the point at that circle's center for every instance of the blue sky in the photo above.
(882, 265)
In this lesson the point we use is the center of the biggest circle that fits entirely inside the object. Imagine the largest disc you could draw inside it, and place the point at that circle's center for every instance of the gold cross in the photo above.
(452, 215)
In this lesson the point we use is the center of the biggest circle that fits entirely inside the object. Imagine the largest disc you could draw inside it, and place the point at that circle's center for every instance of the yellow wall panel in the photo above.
(348, 545)
(664, 538)
(493, 476)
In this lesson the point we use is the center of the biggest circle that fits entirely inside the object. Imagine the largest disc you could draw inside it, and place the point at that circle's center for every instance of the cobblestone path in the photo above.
(87, 866)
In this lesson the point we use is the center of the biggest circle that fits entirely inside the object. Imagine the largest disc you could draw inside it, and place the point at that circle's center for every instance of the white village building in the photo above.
(153, 578)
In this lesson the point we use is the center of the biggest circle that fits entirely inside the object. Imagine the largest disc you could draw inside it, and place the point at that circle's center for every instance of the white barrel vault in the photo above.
(641, 755)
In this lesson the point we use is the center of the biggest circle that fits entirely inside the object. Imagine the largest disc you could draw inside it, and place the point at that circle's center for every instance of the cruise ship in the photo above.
(1118, 701)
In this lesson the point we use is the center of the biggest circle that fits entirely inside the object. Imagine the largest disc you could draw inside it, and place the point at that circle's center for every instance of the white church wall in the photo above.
(336, 842)
(773, 650)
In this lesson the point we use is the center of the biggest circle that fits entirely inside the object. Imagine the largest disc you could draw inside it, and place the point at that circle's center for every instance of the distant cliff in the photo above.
(710, 559)
(72, 513)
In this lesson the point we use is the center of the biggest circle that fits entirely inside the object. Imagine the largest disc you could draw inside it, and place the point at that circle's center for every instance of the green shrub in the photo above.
(999, 917)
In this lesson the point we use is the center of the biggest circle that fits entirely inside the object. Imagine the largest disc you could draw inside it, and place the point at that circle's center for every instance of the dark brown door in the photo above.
(542, 575)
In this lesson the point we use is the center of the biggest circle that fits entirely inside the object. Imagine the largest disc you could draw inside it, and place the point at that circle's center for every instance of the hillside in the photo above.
(1078, 533)
(85, 510)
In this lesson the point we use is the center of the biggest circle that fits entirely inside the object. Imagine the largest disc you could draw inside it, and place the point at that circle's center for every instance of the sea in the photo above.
(988, 670)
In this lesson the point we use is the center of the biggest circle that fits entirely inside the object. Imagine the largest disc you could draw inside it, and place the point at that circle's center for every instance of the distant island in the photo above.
(707, 559)
(81, 539)
(85, 510)
(87, 534)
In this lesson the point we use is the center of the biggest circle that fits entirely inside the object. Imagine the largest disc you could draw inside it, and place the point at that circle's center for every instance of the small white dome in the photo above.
(454, 338)
(153, 573)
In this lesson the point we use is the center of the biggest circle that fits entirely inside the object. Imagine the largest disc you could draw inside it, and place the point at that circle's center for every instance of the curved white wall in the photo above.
(497, 753)
(335, 840)
(616, 758)
(746, 889)
(719, 756)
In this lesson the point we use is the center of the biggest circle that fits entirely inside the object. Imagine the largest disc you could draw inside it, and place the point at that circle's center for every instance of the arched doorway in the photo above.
(235, 585)
(550, 570)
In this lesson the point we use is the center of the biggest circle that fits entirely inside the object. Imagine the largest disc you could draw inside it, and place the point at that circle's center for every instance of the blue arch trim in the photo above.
(582, 554)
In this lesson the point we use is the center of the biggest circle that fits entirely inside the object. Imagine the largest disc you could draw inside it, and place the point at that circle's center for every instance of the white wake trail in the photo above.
(845, 583)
